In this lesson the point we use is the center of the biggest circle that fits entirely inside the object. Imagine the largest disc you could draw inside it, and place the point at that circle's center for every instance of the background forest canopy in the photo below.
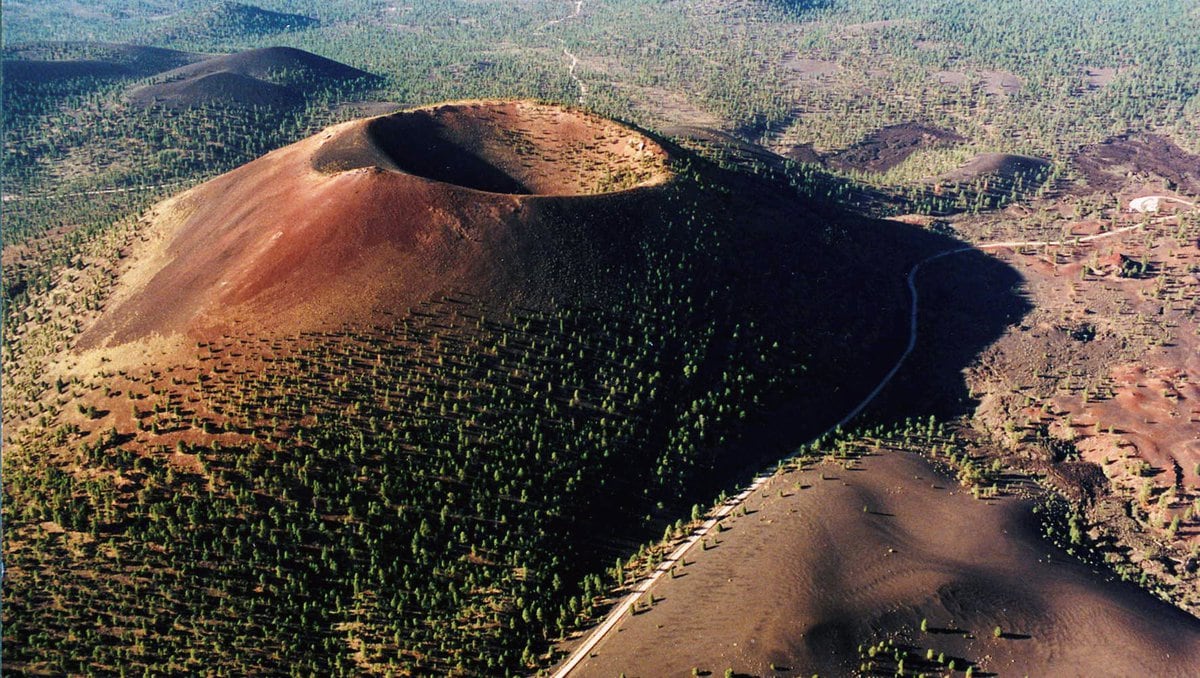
(1040, 79)
(1091, 67)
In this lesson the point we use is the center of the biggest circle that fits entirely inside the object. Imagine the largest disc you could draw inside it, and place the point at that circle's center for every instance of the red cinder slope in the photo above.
(349, 223)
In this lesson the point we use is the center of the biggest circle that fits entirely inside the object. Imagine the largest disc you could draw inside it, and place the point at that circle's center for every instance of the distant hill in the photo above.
(273, 76)
(889, 146)
(226, 21)
(31, 71)
(221, 88)
(41, 62)
(1003, 166)
(992, 179)
(281, 65)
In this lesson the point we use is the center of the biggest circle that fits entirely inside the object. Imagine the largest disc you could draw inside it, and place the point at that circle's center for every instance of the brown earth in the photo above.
(1106, 166)
(886, 148)
(362, 221)
(1003, 166)
(522, 149)
(279, 247)
(830, 559)
(1096, 386)
(381, 213)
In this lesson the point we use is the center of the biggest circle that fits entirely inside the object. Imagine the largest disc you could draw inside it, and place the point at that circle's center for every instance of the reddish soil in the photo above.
(1098, 384)
(290, 241)
(278, 247)
(830, 558)
(516, 148)
(1154, 420)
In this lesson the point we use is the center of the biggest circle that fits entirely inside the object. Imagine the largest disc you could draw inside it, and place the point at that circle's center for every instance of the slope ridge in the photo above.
(287, 238)
(221, 88)
(279, 77)
(228, 20)
(266, 62)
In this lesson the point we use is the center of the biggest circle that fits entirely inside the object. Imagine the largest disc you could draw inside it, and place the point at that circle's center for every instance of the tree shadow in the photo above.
(945, 631)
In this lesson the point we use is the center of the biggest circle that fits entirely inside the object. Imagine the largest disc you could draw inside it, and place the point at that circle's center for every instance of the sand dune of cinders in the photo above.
(829, 559)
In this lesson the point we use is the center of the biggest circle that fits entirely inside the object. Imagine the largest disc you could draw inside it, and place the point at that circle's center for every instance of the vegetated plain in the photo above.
(442, 483)
(445, 427)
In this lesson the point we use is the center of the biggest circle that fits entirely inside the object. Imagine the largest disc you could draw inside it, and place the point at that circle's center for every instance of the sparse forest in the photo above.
(445, 492)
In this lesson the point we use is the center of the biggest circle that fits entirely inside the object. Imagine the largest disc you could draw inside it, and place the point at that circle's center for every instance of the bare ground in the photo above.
(831, 558)
(1107, 166)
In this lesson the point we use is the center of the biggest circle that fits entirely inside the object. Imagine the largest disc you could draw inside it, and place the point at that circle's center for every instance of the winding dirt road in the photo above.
(623, 607)
(566, 52)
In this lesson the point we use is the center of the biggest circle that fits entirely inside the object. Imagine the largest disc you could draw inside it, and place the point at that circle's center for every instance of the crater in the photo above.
(512, 147)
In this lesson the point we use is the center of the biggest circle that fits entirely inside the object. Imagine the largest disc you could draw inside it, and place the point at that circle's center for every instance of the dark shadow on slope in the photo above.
(966, 302)
(837, 289)
(417, 144)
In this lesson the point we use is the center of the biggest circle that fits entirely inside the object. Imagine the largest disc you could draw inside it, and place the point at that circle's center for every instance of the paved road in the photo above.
(623, 607)
(9, 197)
